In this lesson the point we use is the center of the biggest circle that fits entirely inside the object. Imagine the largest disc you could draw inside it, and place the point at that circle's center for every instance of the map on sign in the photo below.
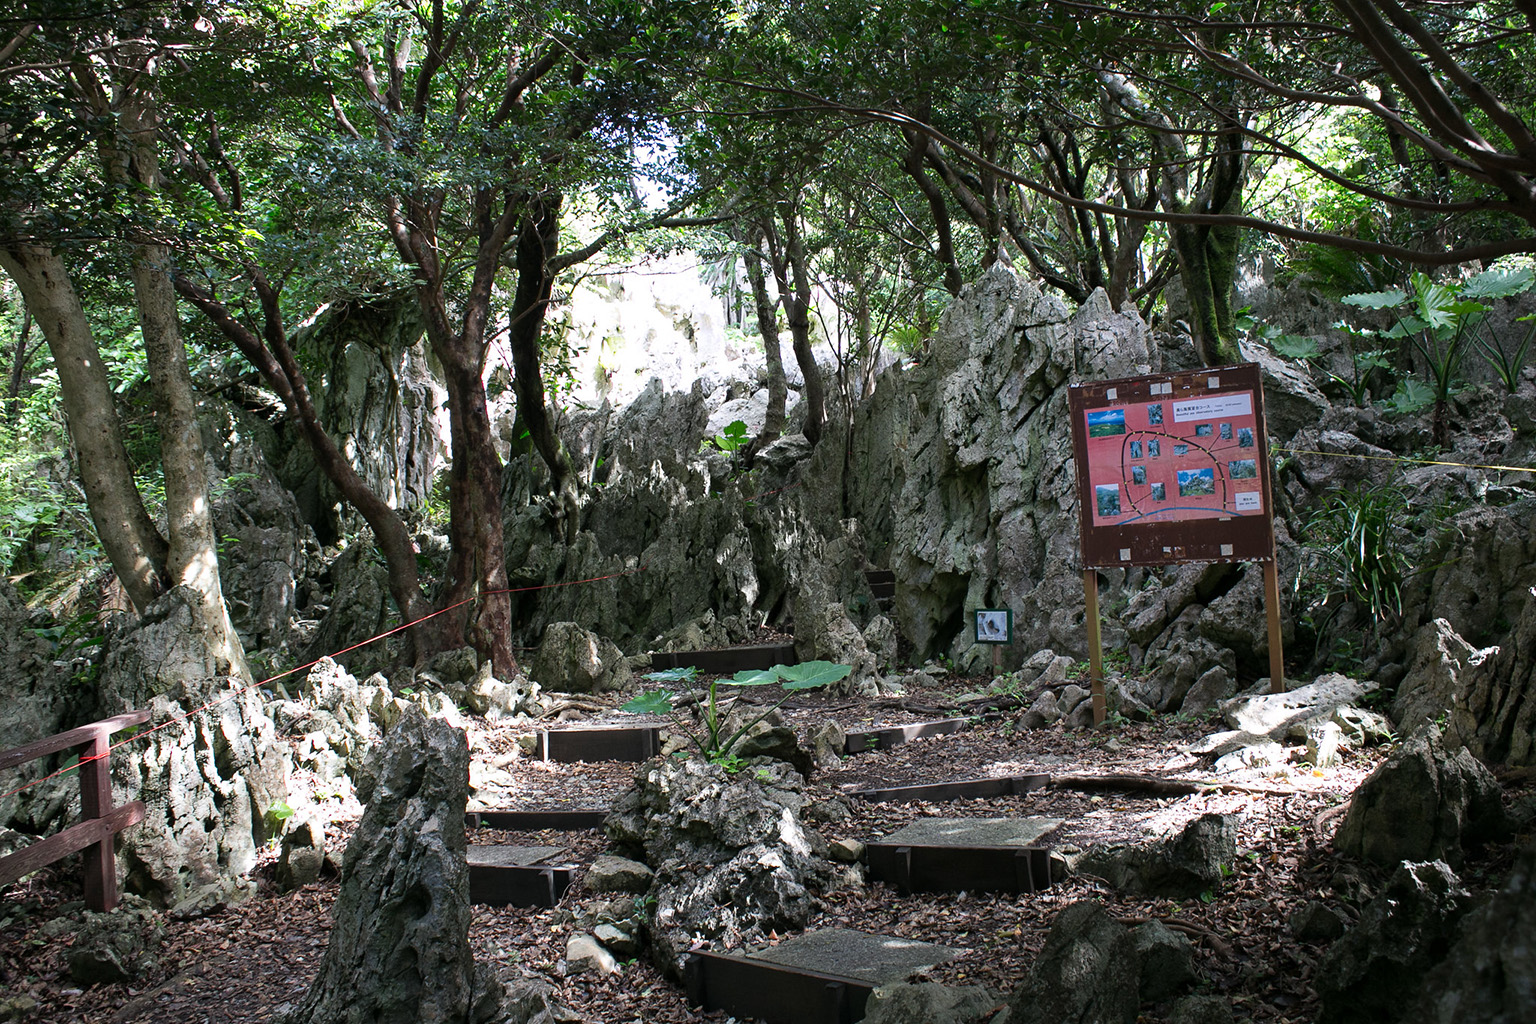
(1174, 459)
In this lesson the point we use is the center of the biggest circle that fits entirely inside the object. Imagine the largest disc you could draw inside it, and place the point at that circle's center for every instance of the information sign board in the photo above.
(1173, 468)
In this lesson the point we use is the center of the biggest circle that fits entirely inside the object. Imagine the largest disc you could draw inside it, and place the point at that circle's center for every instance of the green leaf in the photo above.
(1498, 284)
(1295, 346)
(810, 674)
(1376, 300)
(656, 702)
(673, 675)
(755, 677)
(1411, 396)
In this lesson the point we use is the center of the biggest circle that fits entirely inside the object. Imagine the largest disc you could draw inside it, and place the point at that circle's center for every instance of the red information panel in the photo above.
(1173, 468)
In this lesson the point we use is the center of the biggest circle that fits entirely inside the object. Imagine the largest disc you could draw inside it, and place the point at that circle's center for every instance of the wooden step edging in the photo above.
(533, 885)
(887, 737)
(775, 993)
(948, 868)
(727, 660)
(633, 743)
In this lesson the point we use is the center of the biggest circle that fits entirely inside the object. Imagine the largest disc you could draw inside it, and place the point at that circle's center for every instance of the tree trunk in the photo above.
(18, 368)
(792, 264)
(536, 242)
(280, 369)
(773, 357)
(132, 543)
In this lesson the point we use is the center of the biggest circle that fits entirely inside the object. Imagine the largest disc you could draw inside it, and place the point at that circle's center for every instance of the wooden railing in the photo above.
(101, 821)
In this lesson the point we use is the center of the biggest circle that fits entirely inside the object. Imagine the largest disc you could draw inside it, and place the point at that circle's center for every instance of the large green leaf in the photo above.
(810, 674)
(1376, 300)
(656, 702)
(1295, 346)
(673, 675)
(1498, 284)
(754, 677)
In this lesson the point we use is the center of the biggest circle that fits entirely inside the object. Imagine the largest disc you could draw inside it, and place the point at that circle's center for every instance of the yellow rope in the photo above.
(1398, 458)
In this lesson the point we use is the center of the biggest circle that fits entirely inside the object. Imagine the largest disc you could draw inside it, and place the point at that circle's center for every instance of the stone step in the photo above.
(967, 789)
(727, 660)
(970, 854)
(820, 977)
(537, 821)
(502, 876)
(600, 743)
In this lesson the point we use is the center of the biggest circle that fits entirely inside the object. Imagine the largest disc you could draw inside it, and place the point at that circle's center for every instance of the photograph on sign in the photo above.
(994, 626)
(1208, 474)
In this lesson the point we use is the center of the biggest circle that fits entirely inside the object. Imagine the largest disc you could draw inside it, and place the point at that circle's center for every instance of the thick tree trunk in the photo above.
(535, 245)
(132, 161)
(128, 536)
(773, 356)
(798, 307)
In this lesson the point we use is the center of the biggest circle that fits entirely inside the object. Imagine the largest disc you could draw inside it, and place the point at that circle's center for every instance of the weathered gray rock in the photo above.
(1210, 688)
(733, 858)
(828, 743)
(1316, 921)
(1422, 803)
(204, 811)
(929, 1003)
(1378, 968)
(1489, 976)
(1044, 710)
(584, 954)
(118, 946)
(303, 854)
(1283, 715)
(618, 874)
(571, 659)
(399, 950)
(1486, 696)
(33, 704)
(360, 608)
(1167, 961)
(1323, 742)
(1201, 1010)
(1180, 866)
(1088, 972)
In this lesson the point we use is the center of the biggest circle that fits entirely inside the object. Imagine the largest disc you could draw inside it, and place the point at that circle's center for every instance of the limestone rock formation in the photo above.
(1422, 803)
(574, 660)
(732, 856)
(930, 1003)
(399, 950)
(208, 777)
(1087, 973)
(1179, 866)
(1378, 968)
(1489, 976)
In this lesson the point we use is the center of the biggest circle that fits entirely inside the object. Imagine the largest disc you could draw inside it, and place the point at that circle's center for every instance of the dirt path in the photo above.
(249, 963)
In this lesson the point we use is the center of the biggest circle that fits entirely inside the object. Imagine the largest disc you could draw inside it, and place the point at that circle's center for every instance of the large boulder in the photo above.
(1485, 696)
(1088, 972)
(1178, 866)
(399, 950)
(928, 1002)
(1489, 976)
(733, 857)
(209, 768)
(34, 688)
(1378, 968)
(1286, 715)
(575, 660)
(1422, 803)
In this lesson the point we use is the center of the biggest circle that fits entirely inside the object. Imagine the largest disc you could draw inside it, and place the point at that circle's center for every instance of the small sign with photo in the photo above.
(994, 626)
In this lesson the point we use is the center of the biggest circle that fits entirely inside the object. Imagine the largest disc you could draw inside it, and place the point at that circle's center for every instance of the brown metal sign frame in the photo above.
(1156, 444)
(1212, 422)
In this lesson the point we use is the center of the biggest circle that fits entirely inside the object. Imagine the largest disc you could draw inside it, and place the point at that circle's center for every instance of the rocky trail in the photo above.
(1256, 932)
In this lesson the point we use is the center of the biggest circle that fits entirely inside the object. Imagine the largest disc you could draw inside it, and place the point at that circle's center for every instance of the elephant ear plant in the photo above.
(710, 737)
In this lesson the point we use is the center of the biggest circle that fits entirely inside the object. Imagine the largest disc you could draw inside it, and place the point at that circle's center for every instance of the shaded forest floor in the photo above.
(251, 962)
